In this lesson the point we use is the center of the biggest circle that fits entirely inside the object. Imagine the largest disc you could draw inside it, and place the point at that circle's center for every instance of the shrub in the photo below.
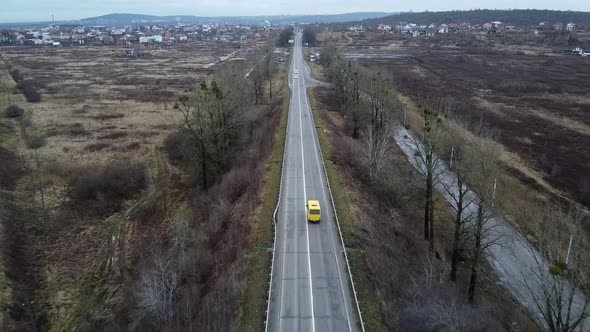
(111, 183)
(96, 147)
(14, 111)
(35, 141)
(104, 116)
(17, 76)
(28, 88)
(174, 144)
(11, 169)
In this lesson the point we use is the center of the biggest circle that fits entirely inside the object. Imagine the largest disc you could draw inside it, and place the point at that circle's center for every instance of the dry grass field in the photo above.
(98, 104)
(102, 120)
(537, 100)
(530, 95)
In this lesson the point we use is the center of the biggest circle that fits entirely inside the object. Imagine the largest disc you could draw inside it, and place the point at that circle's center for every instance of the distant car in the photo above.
(314, 212)
(295, 76)
(296, 71)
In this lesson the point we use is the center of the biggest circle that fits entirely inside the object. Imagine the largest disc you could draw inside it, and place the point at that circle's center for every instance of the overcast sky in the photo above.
(41, 10)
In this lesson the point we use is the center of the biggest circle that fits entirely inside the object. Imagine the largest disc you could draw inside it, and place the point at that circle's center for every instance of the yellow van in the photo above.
(314, 212)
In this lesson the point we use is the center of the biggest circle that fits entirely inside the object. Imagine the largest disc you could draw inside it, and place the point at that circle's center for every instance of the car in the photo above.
(295, 76)
(314, 212)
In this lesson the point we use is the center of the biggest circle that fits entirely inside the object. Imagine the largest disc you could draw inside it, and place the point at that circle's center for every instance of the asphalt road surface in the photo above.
(310, 289)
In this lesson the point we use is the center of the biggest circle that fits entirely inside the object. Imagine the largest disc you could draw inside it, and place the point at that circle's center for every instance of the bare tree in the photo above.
(269, 67)
(484, 155)
(355, 102)
(429, 166)
(156, 291)
(213, 120)
(257, 78)
(377, 93)
(457, 189)
(340, 74)
(447, 317)
(557, 286)
(374, 149)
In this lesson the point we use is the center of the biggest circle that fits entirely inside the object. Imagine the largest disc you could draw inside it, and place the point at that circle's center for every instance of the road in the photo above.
(310, 287)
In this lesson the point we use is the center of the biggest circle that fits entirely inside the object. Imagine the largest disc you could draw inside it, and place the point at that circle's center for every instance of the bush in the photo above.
(14, 111)
(105, 116)
(111, 183)
(30, 91)
(174, 144)
(35, 141)
(93, 147)
(17, 76)
(11, 169)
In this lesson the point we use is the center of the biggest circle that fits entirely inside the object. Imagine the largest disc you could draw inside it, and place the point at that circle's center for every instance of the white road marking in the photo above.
(305, 200)
(329, 224)
(284, 257)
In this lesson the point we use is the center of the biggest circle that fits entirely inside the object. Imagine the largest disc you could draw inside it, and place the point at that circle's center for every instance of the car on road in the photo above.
(314, 212)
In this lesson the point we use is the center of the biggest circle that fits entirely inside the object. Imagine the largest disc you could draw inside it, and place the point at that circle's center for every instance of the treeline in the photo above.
(177, 222)
(262, 73)
(454, 237)
(285, 36)
(309, 36)
(518, 17)
(194, 281)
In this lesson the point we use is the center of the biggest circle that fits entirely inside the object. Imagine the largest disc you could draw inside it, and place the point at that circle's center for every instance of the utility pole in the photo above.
(452, 152)
(569, 248)
(494, 193)
(405, 111)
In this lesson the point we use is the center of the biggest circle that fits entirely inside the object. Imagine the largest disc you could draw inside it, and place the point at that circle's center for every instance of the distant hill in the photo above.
(125, 19)
(518, 17)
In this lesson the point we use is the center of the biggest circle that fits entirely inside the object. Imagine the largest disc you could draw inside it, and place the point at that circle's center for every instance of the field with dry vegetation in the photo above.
(518, 84)
(110, 214)
(99, 104)
(520, 109)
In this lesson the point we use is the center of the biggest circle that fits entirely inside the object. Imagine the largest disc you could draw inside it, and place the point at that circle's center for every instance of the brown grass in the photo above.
(389, 254)
(85, 89)
(535, 102)
(98, 106)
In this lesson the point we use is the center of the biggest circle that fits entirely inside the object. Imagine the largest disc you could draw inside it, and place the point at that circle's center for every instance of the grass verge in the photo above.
(253, 309)
(366, 292)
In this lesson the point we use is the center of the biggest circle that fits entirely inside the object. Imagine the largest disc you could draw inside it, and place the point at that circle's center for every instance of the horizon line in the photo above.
(293, 15)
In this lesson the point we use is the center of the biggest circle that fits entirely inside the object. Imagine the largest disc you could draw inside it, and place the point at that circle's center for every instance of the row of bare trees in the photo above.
(459, 160)
(194, 281)
(263, 71)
